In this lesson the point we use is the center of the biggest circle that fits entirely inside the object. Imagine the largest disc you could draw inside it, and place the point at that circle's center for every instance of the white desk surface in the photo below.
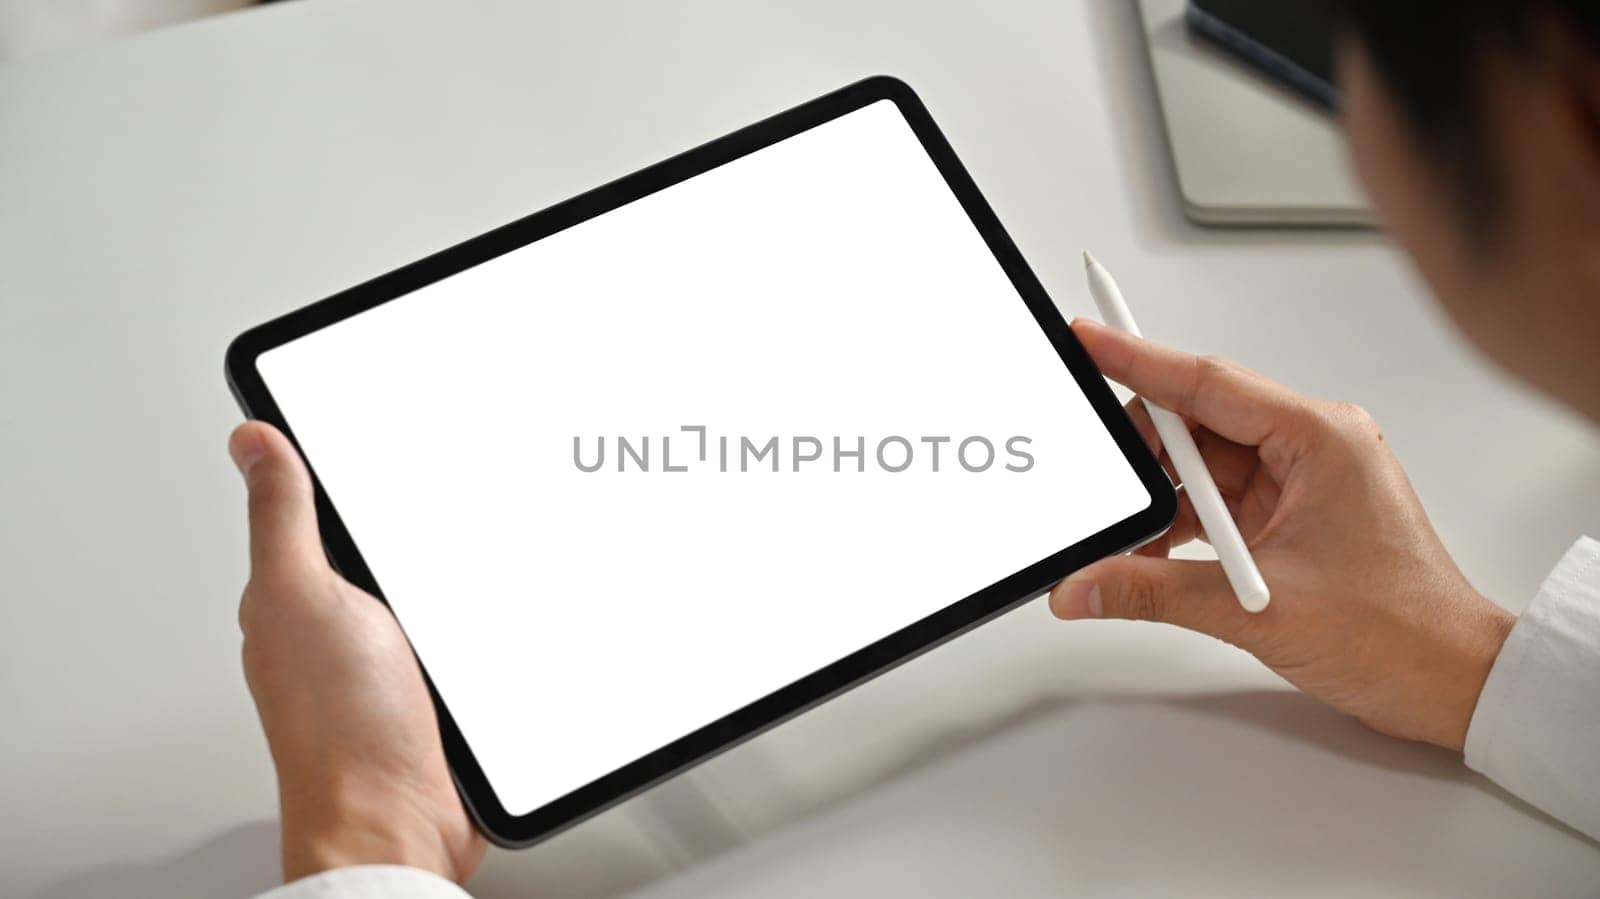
(160, 194)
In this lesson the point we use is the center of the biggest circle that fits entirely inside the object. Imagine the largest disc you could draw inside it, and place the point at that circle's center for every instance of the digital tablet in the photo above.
(647, 472)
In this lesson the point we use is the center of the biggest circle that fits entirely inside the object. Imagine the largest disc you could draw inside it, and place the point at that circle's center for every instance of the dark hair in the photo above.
(1430, 56)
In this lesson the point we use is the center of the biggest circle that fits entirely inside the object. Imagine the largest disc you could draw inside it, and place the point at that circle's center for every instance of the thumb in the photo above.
(283, 517)
(1190, 594)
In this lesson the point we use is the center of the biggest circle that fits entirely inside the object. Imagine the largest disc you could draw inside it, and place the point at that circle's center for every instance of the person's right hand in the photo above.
(1368, 613)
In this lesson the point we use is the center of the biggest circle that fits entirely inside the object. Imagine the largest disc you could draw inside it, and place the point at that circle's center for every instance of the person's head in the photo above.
(1475, 126)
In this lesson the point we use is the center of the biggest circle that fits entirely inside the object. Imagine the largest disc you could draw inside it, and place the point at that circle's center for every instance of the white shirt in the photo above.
(1536, 730)
(369, 882)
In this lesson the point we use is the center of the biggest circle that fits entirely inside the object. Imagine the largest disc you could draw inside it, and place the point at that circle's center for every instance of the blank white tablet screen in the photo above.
(827, 287)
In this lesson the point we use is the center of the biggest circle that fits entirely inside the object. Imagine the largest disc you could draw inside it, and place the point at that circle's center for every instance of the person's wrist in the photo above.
(344, 825)
(1471, 653)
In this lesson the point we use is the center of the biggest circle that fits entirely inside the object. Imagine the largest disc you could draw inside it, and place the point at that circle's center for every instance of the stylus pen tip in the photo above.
(1255, 601)
(1088, 261)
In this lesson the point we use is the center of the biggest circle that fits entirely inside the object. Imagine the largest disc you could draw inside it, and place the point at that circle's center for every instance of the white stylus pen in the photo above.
(1224, 535)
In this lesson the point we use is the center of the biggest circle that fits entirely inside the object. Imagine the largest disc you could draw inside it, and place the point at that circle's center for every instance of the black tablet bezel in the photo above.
(520, 830)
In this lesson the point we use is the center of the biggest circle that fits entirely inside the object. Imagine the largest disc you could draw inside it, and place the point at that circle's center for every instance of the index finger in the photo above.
(1239, 405)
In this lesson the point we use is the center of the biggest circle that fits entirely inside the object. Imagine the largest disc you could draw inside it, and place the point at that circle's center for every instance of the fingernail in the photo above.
(1079, 599)
(246, 447)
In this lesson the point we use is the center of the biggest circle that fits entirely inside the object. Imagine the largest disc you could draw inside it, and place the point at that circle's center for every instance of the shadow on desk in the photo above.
(1245, 792)
(239, 862)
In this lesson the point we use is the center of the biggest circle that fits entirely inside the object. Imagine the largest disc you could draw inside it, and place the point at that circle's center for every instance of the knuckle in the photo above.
(1212, 366)
(1208, 371)
(1354, 421)
(244, 610)
(1142, 600)
(252, 633)
(1351, 413)
(251, 607)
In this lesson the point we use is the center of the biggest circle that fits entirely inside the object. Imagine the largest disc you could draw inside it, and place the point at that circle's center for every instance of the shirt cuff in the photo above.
(1536, 729)
(369, 882)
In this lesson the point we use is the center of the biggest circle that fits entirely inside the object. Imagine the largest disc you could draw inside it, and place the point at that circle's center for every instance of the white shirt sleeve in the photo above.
(1536, 730)
(369, 882)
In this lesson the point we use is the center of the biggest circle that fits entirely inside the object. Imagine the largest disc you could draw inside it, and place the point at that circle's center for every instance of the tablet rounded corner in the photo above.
(885, 83)
(497, 837)
(1163, 508)
(239, 359)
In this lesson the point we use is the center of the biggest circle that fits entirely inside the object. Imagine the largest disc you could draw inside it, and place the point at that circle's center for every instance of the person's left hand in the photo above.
(361, 770)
